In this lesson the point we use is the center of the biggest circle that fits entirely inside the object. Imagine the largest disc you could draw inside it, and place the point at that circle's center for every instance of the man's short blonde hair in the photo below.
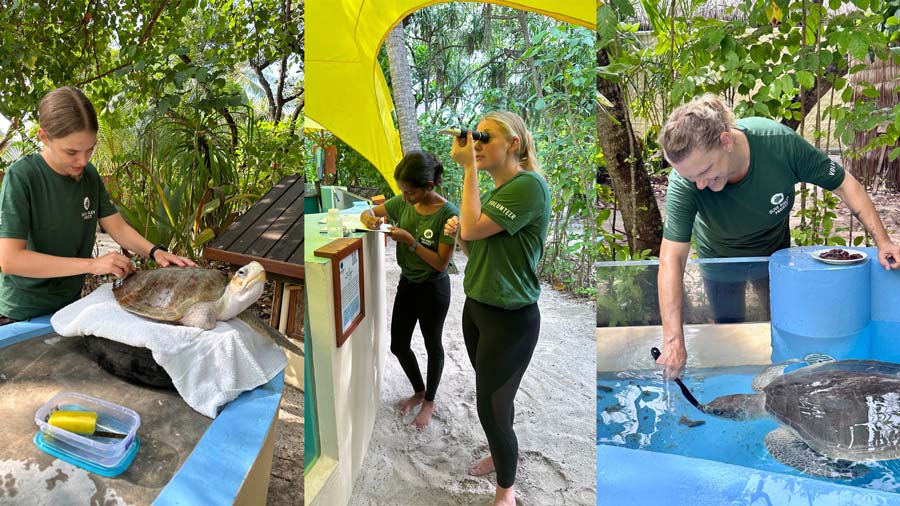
(695, 125)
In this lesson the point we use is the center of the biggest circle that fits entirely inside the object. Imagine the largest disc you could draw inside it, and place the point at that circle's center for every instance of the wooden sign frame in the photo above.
(336, 251)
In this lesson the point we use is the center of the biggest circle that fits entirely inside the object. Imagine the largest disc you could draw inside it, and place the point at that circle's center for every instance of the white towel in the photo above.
(208, 367)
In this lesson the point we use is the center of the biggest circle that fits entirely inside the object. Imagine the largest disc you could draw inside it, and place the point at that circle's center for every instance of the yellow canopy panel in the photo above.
(345, 90)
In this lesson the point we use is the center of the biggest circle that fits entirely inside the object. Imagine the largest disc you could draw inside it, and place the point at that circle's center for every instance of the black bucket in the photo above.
(133, 364)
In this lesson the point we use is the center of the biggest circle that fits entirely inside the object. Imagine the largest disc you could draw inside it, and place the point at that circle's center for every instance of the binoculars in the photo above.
(461, 133)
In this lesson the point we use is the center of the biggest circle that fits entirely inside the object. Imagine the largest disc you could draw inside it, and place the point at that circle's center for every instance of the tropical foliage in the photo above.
(796, 61)
(503, 59)
(199, 102)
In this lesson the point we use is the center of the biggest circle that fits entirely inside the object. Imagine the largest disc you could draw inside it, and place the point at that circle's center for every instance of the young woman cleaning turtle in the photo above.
(50, 204)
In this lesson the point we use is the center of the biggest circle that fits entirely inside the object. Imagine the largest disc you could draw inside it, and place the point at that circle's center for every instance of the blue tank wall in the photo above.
(638, 478)
(846, 311)
(849, 311)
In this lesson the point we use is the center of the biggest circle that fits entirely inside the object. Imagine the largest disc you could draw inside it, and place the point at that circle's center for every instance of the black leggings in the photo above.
(427, 303)
(500, 343)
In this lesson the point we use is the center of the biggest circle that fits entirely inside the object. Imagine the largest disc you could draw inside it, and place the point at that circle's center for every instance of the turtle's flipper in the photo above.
(250, 318)
(791, 451)
(770, 373)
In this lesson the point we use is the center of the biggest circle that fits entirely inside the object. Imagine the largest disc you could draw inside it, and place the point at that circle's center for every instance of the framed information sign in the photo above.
(348, 282)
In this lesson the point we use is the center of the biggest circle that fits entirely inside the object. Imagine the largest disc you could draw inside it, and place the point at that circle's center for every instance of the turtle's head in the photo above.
(736, 407)
(245, 287)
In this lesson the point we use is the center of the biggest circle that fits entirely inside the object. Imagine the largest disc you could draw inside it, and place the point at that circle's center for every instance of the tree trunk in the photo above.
(486, 32)
(13, 126)
(808, 98)
(526, 36)
(401, 89)
(624, 162)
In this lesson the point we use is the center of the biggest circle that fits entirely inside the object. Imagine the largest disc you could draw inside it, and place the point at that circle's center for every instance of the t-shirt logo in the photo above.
(780, 202)
(428, 234)
(88, 213)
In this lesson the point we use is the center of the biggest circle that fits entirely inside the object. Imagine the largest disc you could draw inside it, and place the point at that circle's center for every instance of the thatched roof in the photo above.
(724, 10)
(874, 167)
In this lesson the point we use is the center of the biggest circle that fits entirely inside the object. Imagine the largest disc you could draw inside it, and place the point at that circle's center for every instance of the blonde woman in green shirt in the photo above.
(503, 233)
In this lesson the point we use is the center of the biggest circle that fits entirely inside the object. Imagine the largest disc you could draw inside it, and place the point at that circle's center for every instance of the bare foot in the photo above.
(424, 416)
(407, 404)
(505, 496)
(482, 467)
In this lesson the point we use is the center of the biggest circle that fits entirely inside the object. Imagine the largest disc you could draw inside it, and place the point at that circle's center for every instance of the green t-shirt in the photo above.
(502, 268)
(427, 229)
(55, 215)
(749, 218)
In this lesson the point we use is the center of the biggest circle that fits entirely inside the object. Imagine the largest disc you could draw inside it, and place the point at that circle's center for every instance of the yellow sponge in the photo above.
(79, 422)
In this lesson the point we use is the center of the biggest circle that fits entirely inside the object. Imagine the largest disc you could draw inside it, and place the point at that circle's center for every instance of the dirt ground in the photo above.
(286, 482)
(886, 203)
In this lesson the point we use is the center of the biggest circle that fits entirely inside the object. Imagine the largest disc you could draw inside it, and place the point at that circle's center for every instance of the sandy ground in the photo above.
(555, 420)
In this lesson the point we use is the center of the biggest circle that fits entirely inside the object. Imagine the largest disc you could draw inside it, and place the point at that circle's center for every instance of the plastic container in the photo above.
(334, 223)
(104, 452)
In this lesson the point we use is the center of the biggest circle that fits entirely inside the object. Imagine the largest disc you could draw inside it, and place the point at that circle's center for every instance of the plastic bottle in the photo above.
(334, 223)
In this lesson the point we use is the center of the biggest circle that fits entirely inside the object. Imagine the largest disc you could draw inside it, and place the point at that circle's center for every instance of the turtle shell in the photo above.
(167, 293)
(847, 409)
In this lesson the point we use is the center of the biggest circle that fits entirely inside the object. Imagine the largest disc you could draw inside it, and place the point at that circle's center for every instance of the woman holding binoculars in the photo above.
(502, 232)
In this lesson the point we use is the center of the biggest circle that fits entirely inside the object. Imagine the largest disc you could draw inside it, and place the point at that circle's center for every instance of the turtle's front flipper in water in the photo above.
(791, 451)
(250, 318)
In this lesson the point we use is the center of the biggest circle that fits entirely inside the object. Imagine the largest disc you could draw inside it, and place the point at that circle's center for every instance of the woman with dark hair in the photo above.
(50, 204)
(502, 231)
(423, 253)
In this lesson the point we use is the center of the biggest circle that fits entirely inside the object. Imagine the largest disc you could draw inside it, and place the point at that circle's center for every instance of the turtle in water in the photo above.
(197, 297)
(833, 414)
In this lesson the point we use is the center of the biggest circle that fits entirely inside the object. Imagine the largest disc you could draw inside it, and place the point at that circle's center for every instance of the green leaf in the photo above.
(758, 54)
(604, 215)
(847, 94)
(714, 37)
(806, 79)
(894, 154)
(859, 47)
(206, 235)
(624, 7)
(871, 92)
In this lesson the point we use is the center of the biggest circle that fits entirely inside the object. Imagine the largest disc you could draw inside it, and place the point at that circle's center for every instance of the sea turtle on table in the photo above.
(197, 297)
(833, 415)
